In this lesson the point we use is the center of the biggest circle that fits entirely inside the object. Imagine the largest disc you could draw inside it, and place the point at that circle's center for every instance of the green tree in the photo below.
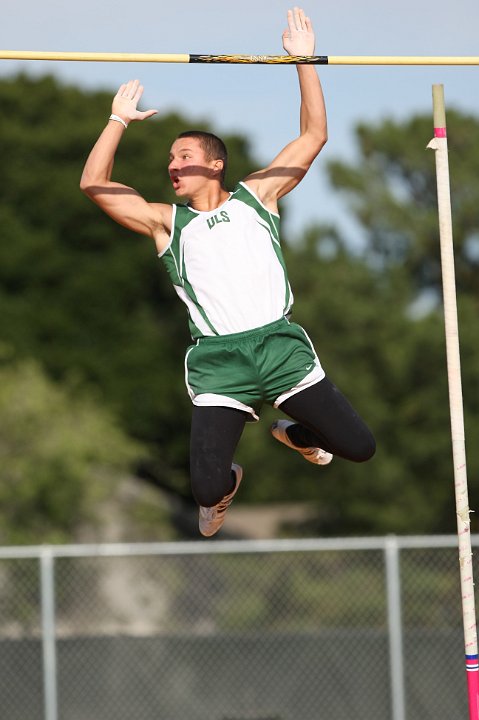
(62, 456)
(392, 192)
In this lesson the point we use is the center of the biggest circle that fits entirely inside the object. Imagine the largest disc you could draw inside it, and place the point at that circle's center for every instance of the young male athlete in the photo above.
(222, 251)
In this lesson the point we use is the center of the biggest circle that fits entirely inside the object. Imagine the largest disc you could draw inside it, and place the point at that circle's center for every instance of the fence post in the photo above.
(48, 633)
(393, 586)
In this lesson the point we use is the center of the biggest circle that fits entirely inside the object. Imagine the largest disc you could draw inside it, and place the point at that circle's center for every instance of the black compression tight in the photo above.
(326, 419)
(215, 433)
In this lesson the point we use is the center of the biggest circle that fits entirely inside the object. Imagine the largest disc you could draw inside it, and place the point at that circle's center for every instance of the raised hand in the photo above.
(298, 38)
(126, 101)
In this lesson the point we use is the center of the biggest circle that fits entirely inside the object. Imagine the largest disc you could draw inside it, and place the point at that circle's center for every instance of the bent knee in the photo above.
(365, 449)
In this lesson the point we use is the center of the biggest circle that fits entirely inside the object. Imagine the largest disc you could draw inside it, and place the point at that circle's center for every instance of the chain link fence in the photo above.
(250, 630)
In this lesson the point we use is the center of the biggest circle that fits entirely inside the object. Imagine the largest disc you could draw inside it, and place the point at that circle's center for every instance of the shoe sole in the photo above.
(278, 431)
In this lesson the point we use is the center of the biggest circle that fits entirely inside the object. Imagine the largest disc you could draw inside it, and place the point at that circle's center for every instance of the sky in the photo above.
(261, 102)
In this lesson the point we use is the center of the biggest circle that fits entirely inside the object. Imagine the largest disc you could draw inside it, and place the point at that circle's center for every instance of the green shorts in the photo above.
(247, 369)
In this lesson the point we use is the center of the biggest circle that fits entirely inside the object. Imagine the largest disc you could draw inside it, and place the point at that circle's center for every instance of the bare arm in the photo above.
(122, 203)
(292, 163)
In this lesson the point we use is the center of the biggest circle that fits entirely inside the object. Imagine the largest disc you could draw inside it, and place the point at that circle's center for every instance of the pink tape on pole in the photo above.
(472, 666)
(440, 132)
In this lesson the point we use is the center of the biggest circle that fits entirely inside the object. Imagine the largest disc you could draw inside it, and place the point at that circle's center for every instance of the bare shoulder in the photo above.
(257, 183)
(163, 213)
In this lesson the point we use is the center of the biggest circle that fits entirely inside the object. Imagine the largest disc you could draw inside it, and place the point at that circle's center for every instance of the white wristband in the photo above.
(118, 119)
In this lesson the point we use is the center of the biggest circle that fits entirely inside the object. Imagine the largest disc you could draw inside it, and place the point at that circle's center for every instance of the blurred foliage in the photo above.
(93, 306)
(393, 194)
(61, 457)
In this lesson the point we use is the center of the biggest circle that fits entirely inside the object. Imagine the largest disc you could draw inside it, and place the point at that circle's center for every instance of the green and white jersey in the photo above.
(227, 266)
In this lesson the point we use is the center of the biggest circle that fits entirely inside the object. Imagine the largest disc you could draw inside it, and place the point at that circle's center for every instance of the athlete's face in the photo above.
(188, 167)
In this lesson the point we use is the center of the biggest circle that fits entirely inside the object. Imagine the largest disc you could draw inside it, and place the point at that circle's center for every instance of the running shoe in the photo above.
(212, 518)
(312, 454)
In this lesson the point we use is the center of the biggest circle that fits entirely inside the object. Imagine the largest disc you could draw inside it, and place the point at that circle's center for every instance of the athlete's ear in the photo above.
(218, 166)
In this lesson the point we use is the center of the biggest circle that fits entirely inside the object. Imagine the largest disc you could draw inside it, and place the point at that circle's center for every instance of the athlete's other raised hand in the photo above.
(298, 38)
(125, 102)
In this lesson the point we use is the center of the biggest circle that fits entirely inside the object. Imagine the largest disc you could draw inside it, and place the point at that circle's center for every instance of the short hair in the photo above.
(212, 146)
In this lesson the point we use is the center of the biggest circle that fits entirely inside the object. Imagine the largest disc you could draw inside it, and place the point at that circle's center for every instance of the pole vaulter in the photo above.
(439, 145)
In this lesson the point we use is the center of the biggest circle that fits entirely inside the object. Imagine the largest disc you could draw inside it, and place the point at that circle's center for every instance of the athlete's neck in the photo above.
(208, 199)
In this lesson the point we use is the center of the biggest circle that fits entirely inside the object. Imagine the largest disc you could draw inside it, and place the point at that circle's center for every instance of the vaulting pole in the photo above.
(439, 145)
(237, 59)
